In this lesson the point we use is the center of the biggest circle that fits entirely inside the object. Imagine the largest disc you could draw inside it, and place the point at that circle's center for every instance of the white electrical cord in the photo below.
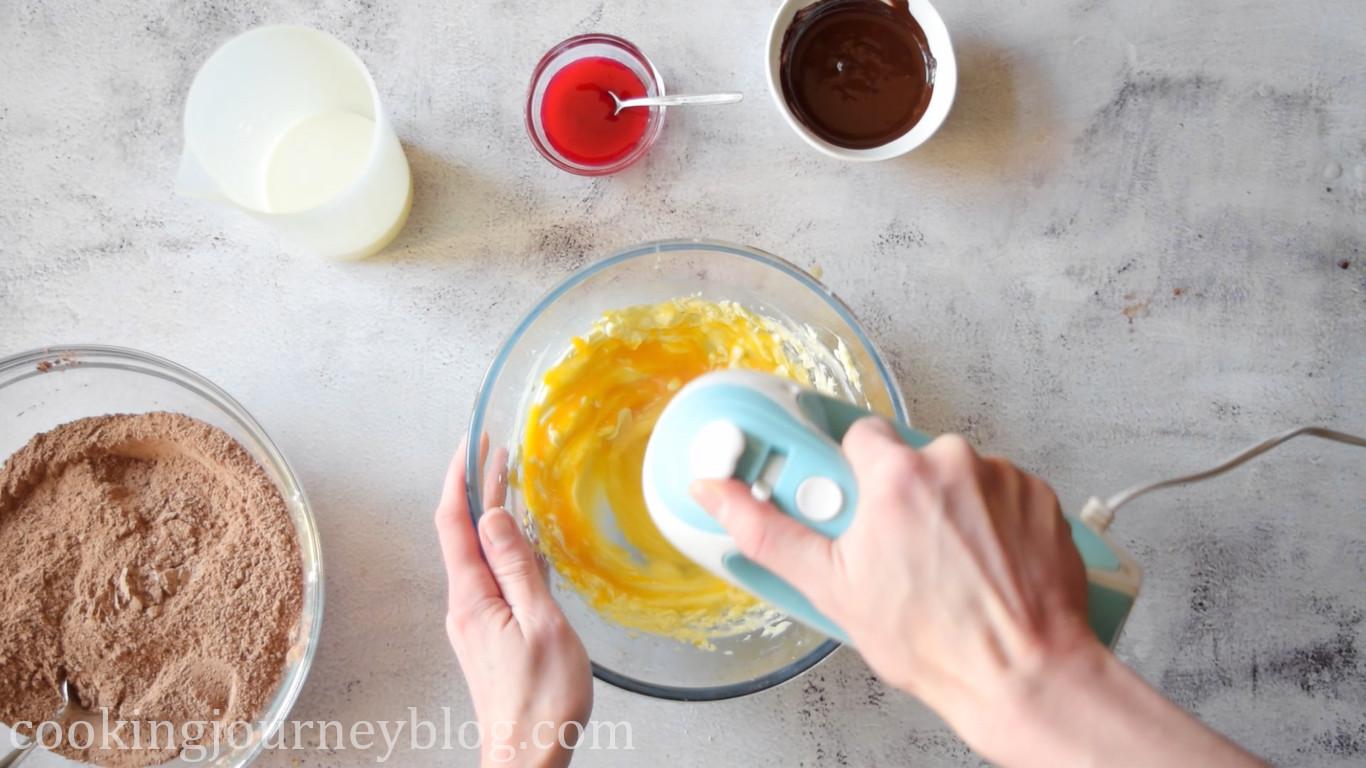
(1098, 514)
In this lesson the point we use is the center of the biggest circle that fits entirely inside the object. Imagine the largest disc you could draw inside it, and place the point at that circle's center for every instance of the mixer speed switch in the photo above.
(716, 450)
(819, 499)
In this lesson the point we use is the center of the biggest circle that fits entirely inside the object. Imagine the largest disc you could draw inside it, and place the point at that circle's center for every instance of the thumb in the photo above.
(513, 565)
(796, 554)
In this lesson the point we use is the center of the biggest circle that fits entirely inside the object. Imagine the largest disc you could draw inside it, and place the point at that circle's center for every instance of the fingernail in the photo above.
(707, 494)
(882, 425)
(497, 528)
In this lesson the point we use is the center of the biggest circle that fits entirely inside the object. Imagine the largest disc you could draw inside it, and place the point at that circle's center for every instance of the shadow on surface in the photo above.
(1002, 118)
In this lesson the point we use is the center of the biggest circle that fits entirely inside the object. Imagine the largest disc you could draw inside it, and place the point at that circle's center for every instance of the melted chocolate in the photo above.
(857, 73)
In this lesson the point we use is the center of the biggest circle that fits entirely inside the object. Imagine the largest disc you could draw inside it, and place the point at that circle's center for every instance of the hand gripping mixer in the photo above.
(784, 441)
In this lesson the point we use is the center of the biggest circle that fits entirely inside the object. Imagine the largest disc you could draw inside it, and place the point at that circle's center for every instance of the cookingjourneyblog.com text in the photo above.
(202, 741)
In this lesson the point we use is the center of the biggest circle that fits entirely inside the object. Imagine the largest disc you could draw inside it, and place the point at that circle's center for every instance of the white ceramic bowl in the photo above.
(944, 74)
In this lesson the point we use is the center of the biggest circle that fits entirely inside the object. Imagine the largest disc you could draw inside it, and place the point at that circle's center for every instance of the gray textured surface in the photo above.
(1135, 246)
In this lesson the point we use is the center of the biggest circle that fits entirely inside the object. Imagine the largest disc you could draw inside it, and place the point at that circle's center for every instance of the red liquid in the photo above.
(576, 111)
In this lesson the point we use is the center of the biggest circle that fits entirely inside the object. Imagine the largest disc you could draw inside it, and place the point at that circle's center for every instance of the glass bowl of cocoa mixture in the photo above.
(45, 388)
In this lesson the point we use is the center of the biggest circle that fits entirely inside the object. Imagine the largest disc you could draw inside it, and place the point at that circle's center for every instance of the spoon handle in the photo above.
(678, 101)
(13, 759)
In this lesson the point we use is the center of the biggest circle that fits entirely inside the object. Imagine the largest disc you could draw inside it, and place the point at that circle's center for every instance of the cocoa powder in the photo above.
(152, 562)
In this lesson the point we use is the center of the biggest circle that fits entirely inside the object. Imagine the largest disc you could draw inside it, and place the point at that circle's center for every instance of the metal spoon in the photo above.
(18, 756)
(669, 101)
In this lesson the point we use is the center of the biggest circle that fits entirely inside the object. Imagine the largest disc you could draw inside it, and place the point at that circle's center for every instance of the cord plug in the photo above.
(1097, 515)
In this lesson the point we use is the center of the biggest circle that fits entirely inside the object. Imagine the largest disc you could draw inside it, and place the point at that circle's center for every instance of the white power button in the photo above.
(716, 451)
(819, 498)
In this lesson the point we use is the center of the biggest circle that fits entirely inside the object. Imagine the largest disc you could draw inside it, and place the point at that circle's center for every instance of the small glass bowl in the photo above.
(44, 388)
(583, 47)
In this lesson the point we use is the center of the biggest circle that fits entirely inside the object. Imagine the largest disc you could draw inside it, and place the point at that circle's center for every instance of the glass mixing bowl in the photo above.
(44, 388)
(651, 273)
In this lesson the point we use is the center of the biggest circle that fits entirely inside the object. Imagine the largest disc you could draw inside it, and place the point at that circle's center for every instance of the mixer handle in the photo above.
(1113, 577)
(835, 417)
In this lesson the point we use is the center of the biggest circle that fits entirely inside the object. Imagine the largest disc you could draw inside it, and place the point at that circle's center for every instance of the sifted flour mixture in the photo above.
(151, 560)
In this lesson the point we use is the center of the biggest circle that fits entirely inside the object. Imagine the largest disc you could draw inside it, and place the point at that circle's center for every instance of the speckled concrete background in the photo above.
(1136, 246)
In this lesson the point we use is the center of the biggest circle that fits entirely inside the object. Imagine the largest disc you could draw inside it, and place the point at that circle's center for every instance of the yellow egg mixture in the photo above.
(584, 446)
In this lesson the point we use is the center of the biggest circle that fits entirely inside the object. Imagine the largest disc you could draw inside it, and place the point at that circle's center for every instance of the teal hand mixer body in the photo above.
(784, 442)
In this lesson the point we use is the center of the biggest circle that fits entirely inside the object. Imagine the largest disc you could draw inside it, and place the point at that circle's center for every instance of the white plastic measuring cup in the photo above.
(285, 123)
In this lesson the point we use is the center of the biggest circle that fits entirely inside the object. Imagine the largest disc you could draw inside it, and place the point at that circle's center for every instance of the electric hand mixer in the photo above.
(784, 442)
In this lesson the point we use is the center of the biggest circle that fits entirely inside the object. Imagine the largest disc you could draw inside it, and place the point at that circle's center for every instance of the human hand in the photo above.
(959, 583)
(526, 669)
(957, 580)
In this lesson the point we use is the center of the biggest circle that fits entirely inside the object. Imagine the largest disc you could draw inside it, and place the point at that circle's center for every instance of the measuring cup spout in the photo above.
(192, 180)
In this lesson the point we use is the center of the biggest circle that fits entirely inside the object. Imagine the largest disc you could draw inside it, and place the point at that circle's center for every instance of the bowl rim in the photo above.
(78, 356)
(652, 130)
(473, 475)
(941, 101)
